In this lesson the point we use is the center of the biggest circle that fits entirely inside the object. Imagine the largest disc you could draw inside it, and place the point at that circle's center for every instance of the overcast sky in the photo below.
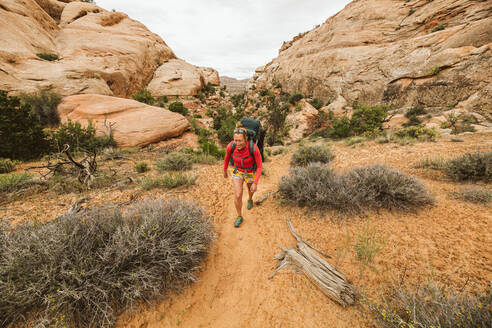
(232, 36)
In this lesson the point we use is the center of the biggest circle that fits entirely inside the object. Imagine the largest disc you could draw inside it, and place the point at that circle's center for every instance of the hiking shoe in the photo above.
(250, 204)
(238, 221)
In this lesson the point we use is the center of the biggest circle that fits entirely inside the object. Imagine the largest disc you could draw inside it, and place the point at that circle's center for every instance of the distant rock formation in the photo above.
(135, 124)
(234, 86)
(433, 53)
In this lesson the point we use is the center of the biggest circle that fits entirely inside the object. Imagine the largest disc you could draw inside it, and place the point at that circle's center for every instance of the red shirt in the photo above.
(247, 162)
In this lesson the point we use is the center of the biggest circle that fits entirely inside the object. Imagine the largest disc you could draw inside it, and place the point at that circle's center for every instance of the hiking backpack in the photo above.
(256, 138)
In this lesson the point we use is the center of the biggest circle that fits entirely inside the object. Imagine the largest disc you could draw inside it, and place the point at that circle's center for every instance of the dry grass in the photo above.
(110, 19)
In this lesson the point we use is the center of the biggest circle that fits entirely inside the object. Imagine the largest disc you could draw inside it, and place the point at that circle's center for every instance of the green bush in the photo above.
(340, 128)
(373, 187)
(208, 146)
(474, 194)
(415, 111)
(47, 56)
(311, 154)
(197, 116)
(44, 106)
(83, 269)
(417, 132)
(432, 306)
(275, 122)
(178, 107)
(21, 134)
(366, 119)
(439, 27)
(316, 103)
(168, 180)
(144, 96)
(80, 138)
(6, 165)
(354, 140)
(175, 161)
(226, 130)
(293, 99)
(238, 100)
(12, 181)
(141, 167)
(459, 123)
(471, 166)
(208, 89)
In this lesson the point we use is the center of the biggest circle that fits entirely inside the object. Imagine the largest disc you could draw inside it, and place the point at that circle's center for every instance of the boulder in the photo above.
(299, 120)
(210, 75)
(134, 124)
(76, 10)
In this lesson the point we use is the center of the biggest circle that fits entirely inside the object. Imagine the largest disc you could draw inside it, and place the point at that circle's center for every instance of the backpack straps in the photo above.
(251, 147)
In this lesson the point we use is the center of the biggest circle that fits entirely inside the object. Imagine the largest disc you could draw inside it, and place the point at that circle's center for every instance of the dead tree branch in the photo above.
(321, 273)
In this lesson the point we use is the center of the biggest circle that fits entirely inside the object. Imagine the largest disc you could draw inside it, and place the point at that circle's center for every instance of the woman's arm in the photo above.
(259, 164)
(227, 156)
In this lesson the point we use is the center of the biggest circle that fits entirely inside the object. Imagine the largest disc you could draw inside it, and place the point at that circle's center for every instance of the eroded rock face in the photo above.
(98, 51)
(135, 124)
(436, 53)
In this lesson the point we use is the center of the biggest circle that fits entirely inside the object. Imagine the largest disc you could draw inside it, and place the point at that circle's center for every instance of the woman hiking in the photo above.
(244, 169)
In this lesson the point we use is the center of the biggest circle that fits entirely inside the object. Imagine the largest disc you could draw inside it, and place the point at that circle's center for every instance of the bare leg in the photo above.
(238, 195)
(249, 191)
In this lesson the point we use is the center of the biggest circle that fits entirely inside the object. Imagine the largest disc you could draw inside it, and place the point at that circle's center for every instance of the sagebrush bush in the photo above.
(311, 154)
(371, 187)
(175, 161)
(141, 167)
(6, 165)
(432, 306)
(178, 107)
(144, 96)
(168, 180)
(44, 105)
(11, 181)
(316, 103)
(82, 269)
(434, 163)
(417, 132)
(471, 166)
(474, 194)
(368, 119)
(22, 136)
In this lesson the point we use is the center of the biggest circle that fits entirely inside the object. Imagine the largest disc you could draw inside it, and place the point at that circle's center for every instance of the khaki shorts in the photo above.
(248, 177)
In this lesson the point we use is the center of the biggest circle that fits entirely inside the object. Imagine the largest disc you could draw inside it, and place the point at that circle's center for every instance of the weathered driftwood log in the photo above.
(264, 197)
(321, 273)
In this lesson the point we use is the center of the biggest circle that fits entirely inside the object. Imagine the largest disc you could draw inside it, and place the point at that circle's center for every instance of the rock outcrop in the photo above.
(134, 124)
(92, 50)
(434, 53)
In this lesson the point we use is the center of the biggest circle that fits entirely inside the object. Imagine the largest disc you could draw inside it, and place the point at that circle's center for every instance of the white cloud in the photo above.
(234, 37)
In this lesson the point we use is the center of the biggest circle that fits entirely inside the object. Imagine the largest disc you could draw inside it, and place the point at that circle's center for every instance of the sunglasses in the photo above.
(239, 131)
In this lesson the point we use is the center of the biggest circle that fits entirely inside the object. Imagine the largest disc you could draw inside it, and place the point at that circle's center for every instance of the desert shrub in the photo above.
(178, 107)
(278, 151)
(474, 194)
(175, 161)
(208, 89)
(340, 128)
(434, 163)
(6, 165)
(316, 103)
(238, 99)
(208, 146)
(44, 105)
(294, 98)
(367, 245)
(11, 181)
(111, 19)
(311, 154)
(141, 167)
(432, 306)
(354, 140)
(197, 115)
(265, 93)
(21, 134)
(459, 123)
(378, 186)
(367, 119)
(413, 121)
(319, 120)
(439, 27)
(417, 132)
(82, 269)
(168, 180)
(48, 56)
(275, 123)
(80, 138)
(471, 166)
(415, 111)
(367, 187)
(144, 96)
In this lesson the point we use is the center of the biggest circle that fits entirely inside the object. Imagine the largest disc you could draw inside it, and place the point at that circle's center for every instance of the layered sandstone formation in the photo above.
(98, 51)
(133, 124)
(435, 53)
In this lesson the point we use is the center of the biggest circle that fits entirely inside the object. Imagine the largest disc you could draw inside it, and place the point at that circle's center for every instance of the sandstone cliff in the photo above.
(92, 50)
(435, 53)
